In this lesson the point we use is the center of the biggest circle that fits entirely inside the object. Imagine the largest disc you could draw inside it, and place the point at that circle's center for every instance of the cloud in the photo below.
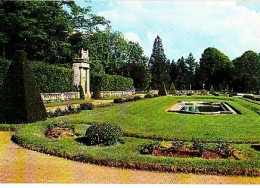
(188, 26)
(132, 37)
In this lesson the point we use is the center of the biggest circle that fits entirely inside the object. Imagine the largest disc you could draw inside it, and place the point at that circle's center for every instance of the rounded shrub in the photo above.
(129, 99)
(105, 134)
(119, 100)
(137, 98)
(148, 96)
(87, 106)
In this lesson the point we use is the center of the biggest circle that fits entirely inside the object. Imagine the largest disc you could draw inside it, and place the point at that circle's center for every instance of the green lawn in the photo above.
(147, 118)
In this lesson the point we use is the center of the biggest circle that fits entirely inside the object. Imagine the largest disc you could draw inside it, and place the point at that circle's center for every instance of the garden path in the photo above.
(63, 107)
(19, 165)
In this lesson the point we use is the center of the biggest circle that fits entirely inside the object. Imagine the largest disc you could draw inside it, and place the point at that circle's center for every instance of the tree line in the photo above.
(214, 69)
(54, 31)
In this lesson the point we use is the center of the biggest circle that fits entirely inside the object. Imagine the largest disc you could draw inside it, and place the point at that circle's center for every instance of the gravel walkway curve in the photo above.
(19, 165)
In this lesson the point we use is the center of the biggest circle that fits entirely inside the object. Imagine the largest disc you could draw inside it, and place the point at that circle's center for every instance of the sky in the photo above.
(185, 27)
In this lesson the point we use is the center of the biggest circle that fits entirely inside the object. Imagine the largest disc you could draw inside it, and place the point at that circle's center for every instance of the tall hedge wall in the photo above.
(52, 78)
(49, 78)
(116, 83)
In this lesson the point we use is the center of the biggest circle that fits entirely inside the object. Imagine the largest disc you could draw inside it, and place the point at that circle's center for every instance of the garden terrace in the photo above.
(145, 119)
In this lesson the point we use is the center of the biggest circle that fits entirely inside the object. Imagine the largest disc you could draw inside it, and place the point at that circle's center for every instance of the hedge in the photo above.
(52, 78)
(49, 78)
(116, 83)
(21, 99)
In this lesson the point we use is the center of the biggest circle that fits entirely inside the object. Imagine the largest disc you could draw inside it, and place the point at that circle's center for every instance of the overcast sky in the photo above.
(231, 26)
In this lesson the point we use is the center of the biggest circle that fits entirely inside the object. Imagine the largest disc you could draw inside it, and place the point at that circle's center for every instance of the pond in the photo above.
(202, 107)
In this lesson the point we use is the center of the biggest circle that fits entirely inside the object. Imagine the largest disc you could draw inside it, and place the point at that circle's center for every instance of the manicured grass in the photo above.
(127, 154)
(148, 118)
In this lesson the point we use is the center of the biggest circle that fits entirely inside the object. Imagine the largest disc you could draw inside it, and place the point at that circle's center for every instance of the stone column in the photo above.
(81, 75)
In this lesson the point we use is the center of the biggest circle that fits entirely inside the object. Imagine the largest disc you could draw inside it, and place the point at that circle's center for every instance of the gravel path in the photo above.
(19, 165)
(63, 107)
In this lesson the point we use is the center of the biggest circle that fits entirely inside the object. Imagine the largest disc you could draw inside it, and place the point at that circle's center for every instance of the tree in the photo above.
(192, 65)
(173, 71)
(159, 65)
(21, 99)
(173, 89)
(247, 72)
(215, 69)
(182, 81)
(42, 28)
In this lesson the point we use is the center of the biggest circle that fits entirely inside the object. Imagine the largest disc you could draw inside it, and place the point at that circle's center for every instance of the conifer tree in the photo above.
(159, 65)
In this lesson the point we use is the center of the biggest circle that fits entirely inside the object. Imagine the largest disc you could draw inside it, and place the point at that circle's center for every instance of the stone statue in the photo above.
(83, 54)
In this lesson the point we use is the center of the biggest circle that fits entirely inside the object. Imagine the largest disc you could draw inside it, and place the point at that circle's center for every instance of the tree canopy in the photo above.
(247, 72)
(214, 69)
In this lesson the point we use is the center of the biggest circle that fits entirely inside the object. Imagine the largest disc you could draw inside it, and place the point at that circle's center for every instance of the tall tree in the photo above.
(173, 71)
(42, 28)
(192, 65)
(159, 65)
(182, 81)
(247, 72)
(215, 69)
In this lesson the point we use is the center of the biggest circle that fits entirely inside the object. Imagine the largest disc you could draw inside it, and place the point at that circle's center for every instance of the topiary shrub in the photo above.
(162, 90)
(119, 100)
(22, 102)
(104, 134)
(137, 98)
(173, 89)
(211, 91)
(81, 93)
(87, 106)
(147, 96)
(97, 86)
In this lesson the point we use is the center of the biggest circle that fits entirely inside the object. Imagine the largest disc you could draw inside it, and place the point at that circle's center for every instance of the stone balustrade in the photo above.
(64, 96)
(116, 93)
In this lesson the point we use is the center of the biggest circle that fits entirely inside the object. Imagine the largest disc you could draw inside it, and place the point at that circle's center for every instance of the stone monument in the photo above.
(81, 67)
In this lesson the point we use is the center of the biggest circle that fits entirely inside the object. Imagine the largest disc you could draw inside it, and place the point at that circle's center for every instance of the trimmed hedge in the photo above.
(52, 78)
(116, 83)
(21, 99)
(49, 78)
(87, 106)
